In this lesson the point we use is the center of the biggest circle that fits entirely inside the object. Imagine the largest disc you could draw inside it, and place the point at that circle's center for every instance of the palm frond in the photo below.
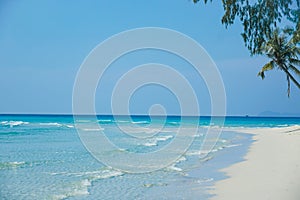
(294, 61)
(261, 74)
(266, 67)
(294, 69)
(284, 51)
(289, 86)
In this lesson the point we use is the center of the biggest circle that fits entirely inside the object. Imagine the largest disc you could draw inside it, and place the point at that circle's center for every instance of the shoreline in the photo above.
(271, 169)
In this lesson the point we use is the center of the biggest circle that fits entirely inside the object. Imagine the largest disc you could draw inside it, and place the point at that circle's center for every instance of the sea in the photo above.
(45, 156)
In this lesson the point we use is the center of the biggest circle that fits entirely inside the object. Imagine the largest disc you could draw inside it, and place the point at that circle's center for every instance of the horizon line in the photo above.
(139, 115)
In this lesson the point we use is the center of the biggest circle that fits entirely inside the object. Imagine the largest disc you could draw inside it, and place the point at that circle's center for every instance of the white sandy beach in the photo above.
(271, 169)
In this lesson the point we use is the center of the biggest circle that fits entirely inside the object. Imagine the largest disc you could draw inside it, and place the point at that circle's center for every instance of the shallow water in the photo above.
(42, 157)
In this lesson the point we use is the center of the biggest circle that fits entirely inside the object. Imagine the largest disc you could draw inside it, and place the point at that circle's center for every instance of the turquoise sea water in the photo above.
(42, 157)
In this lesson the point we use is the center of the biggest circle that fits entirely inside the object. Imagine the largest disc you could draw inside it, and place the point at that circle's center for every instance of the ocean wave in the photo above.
(150, 144)
(105, 120)
(206, 158)
(50, 124)
(174, 123)
(193, 153)
(140, 122)
(181, 159)
(154, 141)
(295, 127)
(81, 188)
(77, 189)
(140, 130)
(107, 174)
(201, 152)
(9, 165)
(283, 125)
(216, 149)
(233, 145)
(174, 168)
(205, 180)
(93, 175)
(92, 129)
(148, 185)
(56, 124)
(164, 138)
(13, 123)
(258, 126)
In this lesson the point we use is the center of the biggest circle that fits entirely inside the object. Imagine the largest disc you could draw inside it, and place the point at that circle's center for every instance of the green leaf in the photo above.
(294, 69)
(261, 74)
(294, 61)
(268, 66)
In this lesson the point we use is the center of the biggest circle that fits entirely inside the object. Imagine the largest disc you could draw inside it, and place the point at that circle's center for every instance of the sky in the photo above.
(44, 43)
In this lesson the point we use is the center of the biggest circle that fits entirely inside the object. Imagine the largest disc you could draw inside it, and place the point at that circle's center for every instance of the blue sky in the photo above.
(43, 43)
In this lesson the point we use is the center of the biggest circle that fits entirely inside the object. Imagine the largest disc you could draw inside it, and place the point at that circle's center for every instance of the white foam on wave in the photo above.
(140, 130)
(92, 129)
(78, 189)
(56, 124)
(294, 127)
(81, 188)
(13, 123)
(164, 138)
(140, 122)
(17, 163)
(206, 158)
(107, 174)
(105, 120)
(216, 149)
(205, 180)
(181, 159)
(154, 141)
(98, 174)
(150, 144)
(14, 164)
(193, 153)
(50, 124)
(174, 123)
(174, 168)
(200, 152)
(198, 135)
(283, 125)
(233, 145)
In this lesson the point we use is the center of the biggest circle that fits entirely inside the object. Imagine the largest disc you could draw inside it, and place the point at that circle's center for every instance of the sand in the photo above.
(271, 169)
